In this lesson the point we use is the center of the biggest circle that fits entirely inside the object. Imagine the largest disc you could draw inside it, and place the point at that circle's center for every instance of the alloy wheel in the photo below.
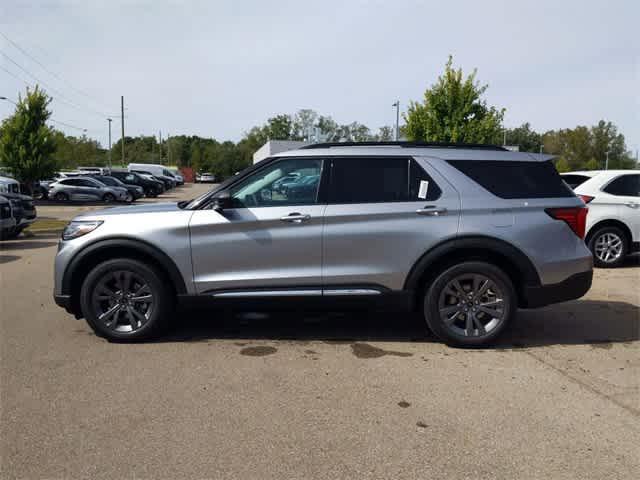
(123, 301)
(608, 247)
(471, 305)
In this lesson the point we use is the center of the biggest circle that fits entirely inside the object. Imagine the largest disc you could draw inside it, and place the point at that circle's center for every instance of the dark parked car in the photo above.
(152, 188)
(169, 182)
(134, 191)
(24, 211)
(7, 219)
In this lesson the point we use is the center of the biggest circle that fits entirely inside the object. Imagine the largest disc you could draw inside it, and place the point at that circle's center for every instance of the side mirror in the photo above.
(222, 201)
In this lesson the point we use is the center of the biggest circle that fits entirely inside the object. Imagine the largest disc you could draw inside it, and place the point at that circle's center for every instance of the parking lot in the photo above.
(308, 395)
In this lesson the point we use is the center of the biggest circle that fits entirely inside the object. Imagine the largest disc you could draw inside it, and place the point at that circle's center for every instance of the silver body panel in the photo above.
(359, 247)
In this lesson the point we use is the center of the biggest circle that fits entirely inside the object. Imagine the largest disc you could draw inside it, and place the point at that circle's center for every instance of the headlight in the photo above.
(79, 228)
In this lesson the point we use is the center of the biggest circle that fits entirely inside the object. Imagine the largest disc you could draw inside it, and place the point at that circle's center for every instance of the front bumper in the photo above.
(573, 287)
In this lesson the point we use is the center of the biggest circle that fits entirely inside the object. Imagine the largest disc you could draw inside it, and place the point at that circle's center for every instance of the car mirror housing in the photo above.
(222, 201)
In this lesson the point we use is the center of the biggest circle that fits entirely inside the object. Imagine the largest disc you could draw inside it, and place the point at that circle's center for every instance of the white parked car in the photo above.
(613, 221)
(205, 178)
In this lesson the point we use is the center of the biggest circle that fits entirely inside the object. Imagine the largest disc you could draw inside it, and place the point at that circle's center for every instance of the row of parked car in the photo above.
(110, 185)
(17, 209)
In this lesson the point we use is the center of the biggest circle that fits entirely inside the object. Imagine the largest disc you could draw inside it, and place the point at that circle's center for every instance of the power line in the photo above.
(60, 96)
(51, 119)
(53, 74)
(66, 102)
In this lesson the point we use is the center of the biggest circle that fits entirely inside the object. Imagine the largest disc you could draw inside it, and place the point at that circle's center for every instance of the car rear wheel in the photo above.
(609, 246)
(108, 198)
(470, 304)
(61, 197)
(126, 300)
(128, 198)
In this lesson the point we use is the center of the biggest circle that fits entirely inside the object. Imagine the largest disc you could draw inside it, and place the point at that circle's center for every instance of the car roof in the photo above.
(8, 180)
(404, 149)
(593, 173)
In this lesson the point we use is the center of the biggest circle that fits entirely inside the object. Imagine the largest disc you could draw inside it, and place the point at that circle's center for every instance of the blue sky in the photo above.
(218, 68)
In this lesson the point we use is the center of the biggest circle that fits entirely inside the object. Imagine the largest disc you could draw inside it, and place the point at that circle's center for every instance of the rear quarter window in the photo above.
(513, 179)
(575, 180)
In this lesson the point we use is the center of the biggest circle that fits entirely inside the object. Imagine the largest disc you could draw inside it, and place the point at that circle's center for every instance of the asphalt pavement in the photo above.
(309, 395)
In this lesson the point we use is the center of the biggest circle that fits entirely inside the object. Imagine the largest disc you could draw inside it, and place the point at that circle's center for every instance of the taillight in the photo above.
(575, 217)
(586, 198)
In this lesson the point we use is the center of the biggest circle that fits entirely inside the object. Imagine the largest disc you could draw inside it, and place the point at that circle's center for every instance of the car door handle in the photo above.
(432, 211)
(632, 204)
(295, 217)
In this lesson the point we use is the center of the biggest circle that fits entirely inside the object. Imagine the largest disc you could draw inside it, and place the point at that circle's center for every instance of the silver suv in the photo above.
(85, 188)
(465, 235)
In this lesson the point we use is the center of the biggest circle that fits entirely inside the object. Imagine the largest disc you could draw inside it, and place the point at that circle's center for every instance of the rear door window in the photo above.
(380, 180)
(515, 179)
(625, 185)
(421, 185)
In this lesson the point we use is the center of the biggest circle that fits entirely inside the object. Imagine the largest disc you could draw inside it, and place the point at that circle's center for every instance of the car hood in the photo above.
(131, 210)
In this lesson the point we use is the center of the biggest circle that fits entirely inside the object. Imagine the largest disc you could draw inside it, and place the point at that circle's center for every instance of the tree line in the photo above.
(452, 110)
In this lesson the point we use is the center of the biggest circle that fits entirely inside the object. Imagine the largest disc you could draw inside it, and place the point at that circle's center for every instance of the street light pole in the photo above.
(122, 124)
(397, 105)
(109, 143)
(606, 162)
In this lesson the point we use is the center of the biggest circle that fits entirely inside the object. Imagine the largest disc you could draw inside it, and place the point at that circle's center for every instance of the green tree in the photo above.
(524, 137)
(454, 111)
(27, 143)
(385, 134)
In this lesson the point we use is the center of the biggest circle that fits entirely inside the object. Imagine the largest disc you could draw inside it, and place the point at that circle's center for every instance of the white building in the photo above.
(276, 146)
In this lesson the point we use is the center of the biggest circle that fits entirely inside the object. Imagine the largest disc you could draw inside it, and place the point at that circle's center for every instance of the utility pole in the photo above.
(504, 137)
(109, 143)
(606, 162)
(160, 145)
(122, 125)
(397, 105)
(168, 150)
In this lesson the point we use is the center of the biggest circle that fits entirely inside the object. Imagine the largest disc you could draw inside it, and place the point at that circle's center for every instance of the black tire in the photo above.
(601, 235)
(61, 197)
(159, 288)
(454, 335)
(150, 192)
(128, 198)
(108, 198)
(12, 234)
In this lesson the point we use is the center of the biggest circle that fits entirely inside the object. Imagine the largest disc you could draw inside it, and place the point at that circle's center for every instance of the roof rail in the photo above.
(475, 146)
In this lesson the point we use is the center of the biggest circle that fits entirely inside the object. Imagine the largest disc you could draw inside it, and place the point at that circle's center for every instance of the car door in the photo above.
(624, 192)
(89, 190)
(382, 215)
(265, 244)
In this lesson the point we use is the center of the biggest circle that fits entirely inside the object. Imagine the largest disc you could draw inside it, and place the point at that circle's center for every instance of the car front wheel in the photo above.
(470, 304)
(108, 198)
(127, 300)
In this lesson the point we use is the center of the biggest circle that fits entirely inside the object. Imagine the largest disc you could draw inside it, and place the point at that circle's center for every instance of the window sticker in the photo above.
(424, 186)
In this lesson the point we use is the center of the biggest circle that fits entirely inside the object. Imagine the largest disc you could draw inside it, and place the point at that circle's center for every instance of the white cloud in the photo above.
(218, 68)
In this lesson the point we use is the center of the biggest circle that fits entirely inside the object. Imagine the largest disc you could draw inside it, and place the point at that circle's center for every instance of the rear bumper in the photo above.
(573, 287)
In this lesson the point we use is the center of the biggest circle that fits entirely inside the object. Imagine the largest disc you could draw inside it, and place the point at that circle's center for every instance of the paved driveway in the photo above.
(302, 395)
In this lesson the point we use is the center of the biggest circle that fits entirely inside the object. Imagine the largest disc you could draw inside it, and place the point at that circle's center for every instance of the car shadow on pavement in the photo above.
(350, 326)
(23, 243)
(581, 322)
(8, 258)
